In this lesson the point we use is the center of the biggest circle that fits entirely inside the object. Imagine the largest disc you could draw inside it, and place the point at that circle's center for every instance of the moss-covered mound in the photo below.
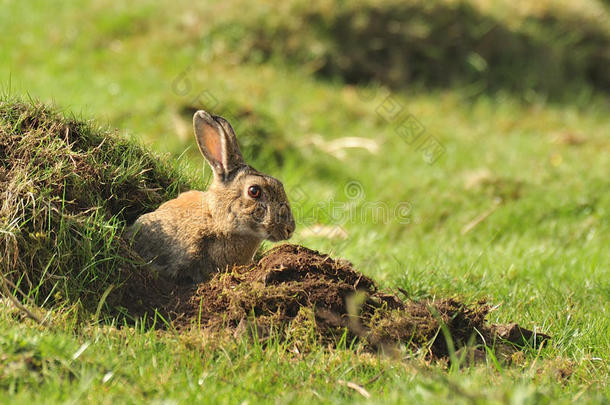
(67, 188)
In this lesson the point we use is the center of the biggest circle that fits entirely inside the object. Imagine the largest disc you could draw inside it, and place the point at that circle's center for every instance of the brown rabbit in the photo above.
(199, 233)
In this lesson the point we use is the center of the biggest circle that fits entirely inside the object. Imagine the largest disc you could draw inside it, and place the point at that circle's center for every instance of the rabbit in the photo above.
(199, 233)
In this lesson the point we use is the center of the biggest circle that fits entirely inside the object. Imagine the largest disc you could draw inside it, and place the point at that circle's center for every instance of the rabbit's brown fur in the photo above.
(199, 233)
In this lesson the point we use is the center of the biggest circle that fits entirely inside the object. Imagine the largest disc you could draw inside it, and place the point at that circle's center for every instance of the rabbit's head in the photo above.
(242, 200)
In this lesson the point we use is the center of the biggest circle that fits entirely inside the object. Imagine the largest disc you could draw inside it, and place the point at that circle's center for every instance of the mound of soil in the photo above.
(292, 288)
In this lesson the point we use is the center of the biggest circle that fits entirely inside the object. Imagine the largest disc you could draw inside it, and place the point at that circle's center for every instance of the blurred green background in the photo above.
(444, 147)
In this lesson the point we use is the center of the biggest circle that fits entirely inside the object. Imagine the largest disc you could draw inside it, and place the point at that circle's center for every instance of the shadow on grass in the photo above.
(437, 44)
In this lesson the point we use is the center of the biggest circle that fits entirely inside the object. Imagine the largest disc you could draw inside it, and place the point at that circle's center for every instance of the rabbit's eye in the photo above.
(254, 192)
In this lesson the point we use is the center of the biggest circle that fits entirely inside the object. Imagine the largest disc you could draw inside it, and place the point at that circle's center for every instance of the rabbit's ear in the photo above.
(218, 143)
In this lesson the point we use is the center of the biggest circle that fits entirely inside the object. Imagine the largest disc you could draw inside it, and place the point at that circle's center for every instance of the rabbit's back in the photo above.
(182, 239)
(172, 238)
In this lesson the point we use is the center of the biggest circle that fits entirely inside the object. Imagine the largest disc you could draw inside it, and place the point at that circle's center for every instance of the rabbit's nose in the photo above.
(290, 230)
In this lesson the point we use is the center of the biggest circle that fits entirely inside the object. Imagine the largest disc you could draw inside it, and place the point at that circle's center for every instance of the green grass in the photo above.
(68, 189)
(542, 255)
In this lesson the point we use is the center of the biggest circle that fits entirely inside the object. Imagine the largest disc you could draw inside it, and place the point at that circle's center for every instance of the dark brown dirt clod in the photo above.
(292, 284)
